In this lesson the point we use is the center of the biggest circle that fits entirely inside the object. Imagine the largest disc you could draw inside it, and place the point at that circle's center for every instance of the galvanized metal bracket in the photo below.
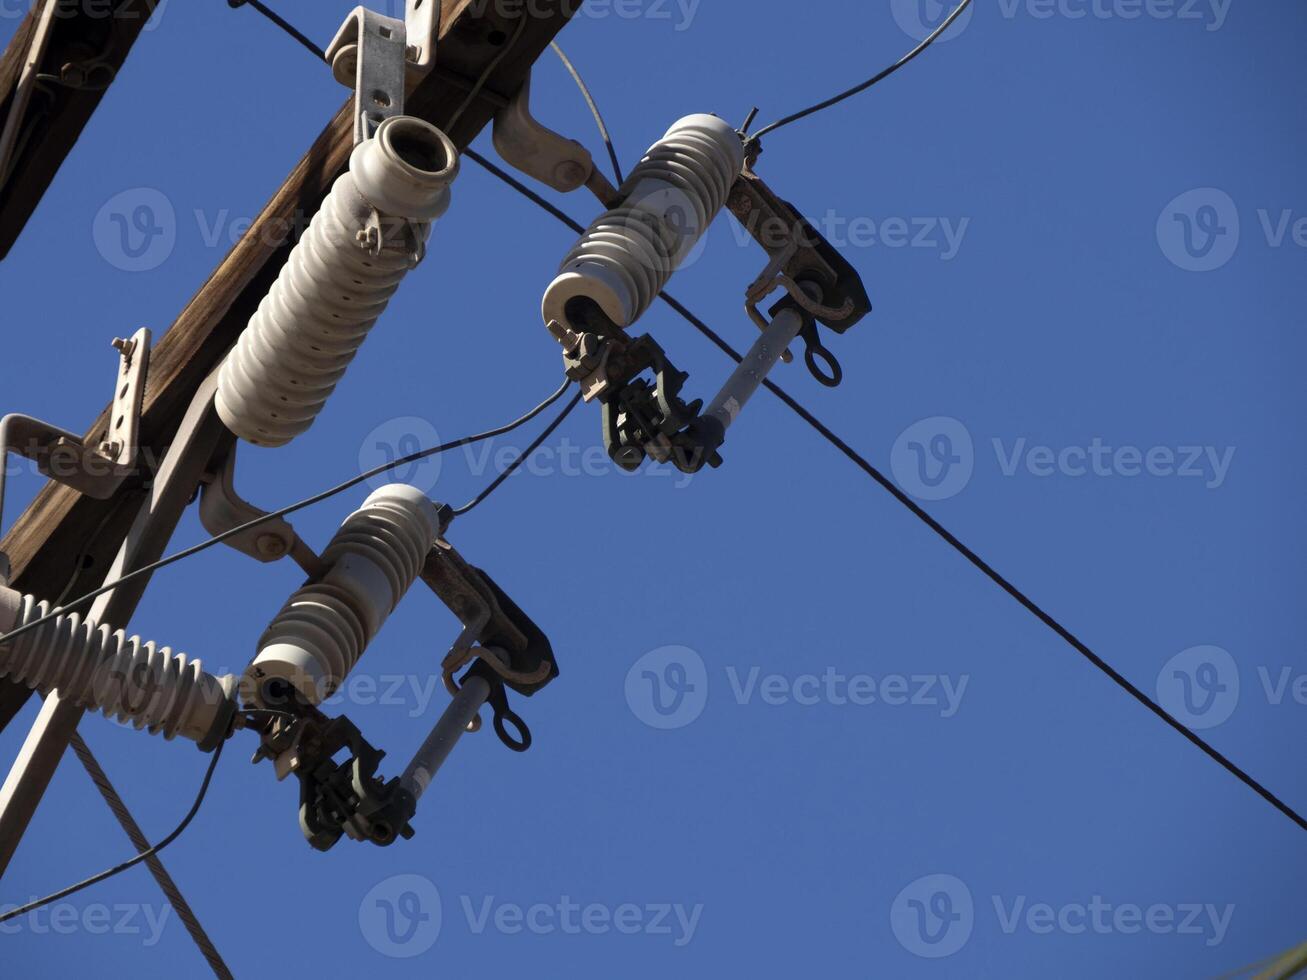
(96, 470)
(222, 510)
(370, 55)
(536, 150)
(422, 21)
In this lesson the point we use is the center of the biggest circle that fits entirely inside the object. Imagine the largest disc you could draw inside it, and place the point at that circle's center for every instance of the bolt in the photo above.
(570, 173)
(124, 347)
(270, 546)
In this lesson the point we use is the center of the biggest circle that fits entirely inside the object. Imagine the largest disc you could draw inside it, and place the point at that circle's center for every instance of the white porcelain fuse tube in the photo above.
(324, 628)
(370, 233)
(629, 254)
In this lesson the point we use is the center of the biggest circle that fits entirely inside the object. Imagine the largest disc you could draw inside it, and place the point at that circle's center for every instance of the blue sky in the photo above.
(1082, 224)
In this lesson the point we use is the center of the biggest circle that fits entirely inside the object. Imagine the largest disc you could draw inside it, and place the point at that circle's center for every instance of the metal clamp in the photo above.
(370, 55)
(798, 254)
(340, 791)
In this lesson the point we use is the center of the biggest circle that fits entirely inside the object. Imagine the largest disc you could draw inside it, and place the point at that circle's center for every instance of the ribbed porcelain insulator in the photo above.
(369, 233)
(125, 678)
(324, 628)
(630, 253)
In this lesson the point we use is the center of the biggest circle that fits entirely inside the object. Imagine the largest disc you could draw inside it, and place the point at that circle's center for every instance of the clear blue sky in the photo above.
(1109, 391)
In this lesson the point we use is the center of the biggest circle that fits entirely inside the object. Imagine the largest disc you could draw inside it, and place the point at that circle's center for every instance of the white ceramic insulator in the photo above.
(337, 282)
(127, 679)
(324, 628)
(629, 254)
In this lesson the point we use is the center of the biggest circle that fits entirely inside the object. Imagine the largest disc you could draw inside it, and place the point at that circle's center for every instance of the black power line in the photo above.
(281, 22)
(301, 505)
(143, 856)
(985, 568)
(859, 89)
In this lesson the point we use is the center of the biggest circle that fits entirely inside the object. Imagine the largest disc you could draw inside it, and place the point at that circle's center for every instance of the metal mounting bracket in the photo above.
(422, 21)
(370, 55)
(96, 470)
(222, 510)
(536, 150)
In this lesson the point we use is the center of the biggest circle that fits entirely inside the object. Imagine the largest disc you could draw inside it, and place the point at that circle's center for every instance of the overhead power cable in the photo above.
(859, 89)
(988, 570)
(885, 482)
(281, 22)
(285, 511)
(143, 856)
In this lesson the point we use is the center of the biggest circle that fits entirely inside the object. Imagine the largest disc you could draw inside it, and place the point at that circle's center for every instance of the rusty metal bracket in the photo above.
(798, 256)
(537, 151)
(222, 510)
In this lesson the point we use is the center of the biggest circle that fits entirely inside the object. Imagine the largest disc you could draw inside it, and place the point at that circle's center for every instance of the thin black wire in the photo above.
(988, 570)
(594, 109)
(139, 841)
(281, 22)
(142, 856)
(513, 466)
(859, 89)
(275, 515)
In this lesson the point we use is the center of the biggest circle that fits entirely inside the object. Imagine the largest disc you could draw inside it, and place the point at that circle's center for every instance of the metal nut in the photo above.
(270, 545)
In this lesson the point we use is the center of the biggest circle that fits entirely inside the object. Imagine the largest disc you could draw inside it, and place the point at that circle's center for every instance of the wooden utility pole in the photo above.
(485, 46)
(88, 45)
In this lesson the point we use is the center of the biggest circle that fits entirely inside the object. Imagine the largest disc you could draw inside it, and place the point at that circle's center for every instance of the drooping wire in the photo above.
(516, 463)
(988, 570)
(951, 539)
(594, 109)
(281, 22)
(133, 862)
(283, 512)
(859, 89)
(139, 841)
